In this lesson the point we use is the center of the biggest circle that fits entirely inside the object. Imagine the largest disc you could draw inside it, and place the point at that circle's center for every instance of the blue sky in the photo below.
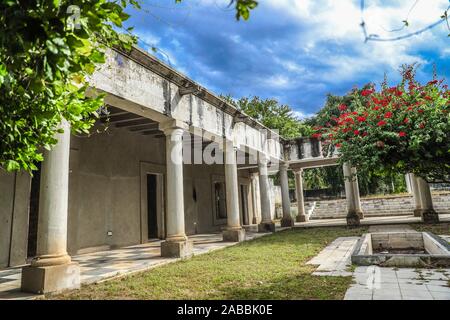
(296, 51)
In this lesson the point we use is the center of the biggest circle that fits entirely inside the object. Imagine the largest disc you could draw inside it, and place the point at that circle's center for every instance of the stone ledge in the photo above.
(50, 279)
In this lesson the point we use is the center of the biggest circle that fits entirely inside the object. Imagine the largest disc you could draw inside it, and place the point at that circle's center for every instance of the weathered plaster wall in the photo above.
(14, 198)
(105, 187)
(6, 209)
(105, 190)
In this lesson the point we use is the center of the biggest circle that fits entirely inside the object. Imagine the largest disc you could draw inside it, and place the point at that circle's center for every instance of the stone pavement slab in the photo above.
(335, 259)
(381, 283)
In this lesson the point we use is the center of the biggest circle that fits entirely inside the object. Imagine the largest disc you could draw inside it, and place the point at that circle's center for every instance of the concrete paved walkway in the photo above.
(99, 266)
(380, 283)
(375, 283)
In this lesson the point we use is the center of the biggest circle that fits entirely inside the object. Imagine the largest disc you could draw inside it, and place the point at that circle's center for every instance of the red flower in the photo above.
(381, 123)
(422, 125)
(406, 120)
(317, 135)
(388, 115)
(342, 107)
(361, 119)
(402, 134)
(338, 145)
(366, 93)
(356, 132)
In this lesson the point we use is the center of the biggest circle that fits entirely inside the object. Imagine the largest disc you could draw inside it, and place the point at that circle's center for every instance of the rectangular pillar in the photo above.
(301, 214)
(287, 220)
(429, 215)
(356, 196)
(416, 194)
(353, 218)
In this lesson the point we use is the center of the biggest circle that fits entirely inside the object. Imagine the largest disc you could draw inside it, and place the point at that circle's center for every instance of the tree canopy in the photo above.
(273, 115)
(399, 129)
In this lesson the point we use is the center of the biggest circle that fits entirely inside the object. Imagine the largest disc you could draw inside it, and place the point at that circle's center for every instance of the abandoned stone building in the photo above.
(129, 181)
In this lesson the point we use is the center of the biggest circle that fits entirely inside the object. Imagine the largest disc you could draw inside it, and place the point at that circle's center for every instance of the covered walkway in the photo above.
(99, 266)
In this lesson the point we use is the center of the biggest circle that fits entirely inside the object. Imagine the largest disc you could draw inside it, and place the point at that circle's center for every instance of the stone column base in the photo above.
(266, 227)
(177, 249)
(417, 212)
(51, 279)
(353, 219)
(360, 214)
(287, 222)
(233, 235)
(302, 218)
(429, 216)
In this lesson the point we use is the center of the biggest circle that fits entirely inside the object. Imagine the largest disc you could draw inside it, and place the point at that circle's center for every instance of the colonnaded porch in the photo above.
(93, 191)
(102, 265)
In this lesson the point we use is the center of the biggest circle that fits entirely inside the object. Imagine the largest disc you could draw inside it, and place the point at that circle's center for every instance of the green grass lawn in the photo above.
(271, 267)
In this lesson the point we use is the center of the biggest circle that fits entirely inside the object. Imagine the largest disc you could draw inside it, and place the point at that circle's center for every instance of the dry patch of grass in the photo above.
(438, 228)
(272, 267)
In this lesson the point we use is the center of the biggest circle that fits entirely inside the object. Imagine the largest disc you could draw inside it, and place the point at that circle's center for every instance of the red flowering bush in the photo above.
(405, 128)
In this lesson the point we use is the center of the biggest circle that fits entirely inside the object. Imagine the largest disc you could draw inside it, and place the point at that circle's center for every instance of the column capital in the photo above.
(228, 145)
(284, 165)
(170, 126)
(263, 158)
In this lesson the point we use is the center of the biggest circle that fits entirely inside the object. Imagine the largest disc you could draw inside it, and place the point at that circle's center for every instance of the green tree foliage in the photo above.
(48, 48)
(273, 115)
(370, 181)
(243, 7)
(401, 129)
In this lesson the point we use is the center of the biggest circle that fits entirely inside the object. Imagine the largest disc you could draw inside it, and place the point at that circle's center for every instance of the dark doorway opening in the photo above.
(244, 205)
(33, 214)
(152, 191)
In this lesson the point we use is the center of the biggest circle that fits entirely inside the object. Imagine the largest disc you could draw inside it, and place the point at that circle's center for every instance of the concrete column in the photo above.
(287, 220)
(416, 194)
(176, 244)
(234, 231)
(301, 214)
(256, 198)
(353, 218)
(426, 201)
(52, 270)
(355, 186)
(408, 182)
(266, 224)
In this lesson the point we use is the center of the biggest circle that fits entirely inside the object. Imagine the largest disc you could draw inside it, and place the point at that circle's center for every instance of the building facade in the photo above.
(167, 159)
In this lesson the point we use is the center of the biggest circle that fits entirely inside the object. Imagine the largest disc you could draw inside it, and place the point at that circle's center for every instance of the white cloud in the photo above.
(278, 81)
(302, 115)
(331, 34)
